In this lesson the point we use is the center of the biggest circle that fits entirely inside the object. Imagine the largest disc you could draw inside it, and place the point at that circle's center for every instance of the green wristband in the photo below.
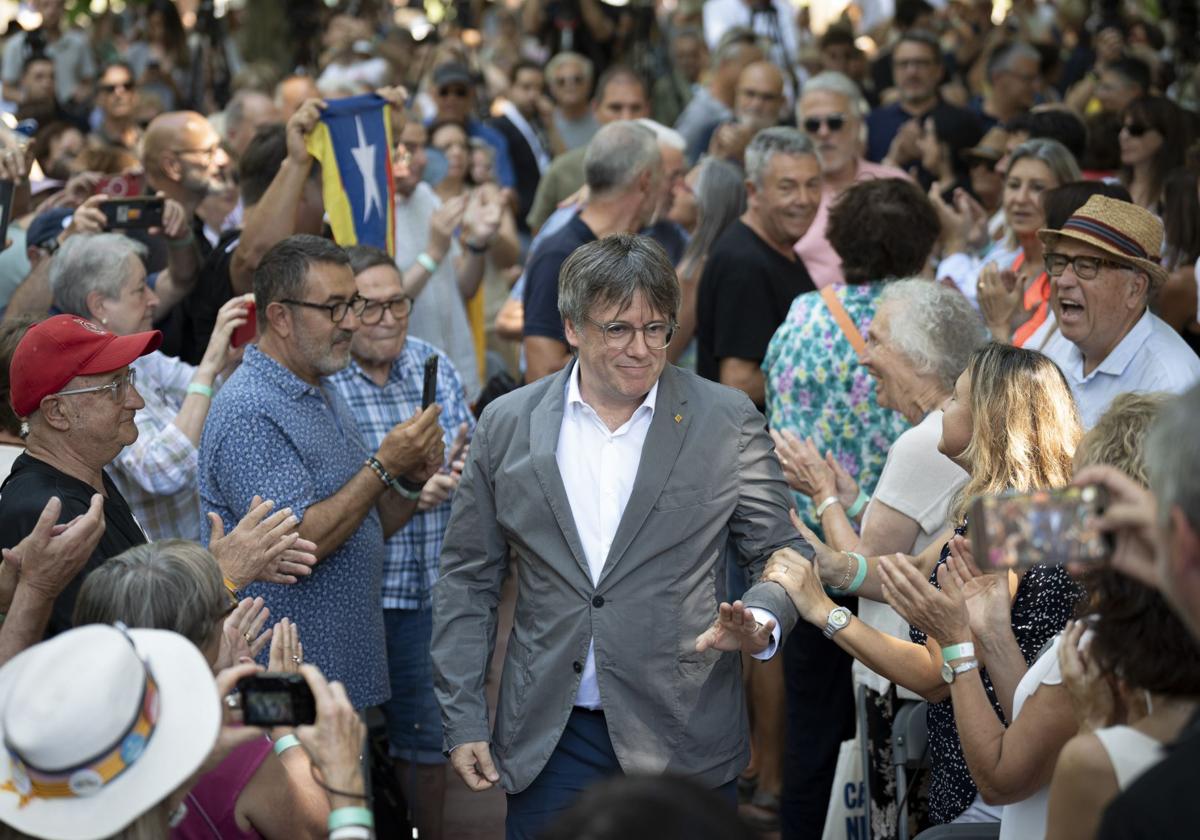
(959, 651)
(859, 504)
(860, 575)
(341, 817)
(202, 390)
(427, 262)
(285, 743)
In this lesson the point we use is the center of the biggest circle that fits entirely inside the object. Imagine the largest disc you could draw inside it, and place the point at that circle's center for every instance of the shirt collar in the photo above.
(275, 373)
(575, 396)
(1118, 359)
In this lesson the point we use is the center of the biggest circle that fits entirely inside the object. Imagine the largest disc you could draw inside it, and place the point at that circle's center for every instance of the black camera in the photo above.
(273, 699)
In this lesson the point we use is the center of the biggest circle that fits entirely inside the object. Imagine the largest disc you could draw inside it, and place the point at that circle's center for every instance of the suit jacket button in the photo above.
(578, 667)
(598, 601)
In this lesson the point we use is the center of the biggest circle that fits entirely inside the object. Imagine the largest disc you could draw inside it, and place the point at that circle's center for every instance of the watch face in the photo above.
(947, 673)
(839, 618)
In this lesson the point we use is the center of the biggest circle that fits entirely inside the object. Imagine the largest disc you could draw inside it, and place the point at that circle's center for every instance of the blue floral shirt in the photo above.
(272, 434)
(816, 387)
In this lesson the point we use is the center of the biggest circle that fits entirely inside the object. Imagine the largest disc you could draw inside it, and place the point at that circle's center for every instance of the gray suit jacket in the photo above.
(707, 472)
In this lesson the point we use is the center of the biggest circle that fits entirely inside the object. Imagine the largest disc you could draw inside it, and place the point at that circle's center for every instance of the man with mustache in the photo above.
(280, 430)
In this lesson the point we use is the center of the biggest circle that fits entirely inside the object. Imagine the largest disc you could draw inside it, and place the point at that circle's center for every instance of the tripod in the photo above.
(764, 11)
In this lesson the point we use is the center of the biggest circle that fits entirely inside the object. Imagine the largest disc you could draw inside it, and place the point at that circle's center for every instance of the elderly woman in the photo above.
(1010, 283)
(101, 277)
(706, 200)
(814, 383)
(258, 790)
(832, 112)
(1011, 424)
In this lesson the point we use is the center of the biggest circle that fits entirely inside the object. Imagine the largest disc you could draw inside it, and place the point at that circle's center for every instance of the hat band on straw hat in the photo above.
(1107, 234)
(88, 778)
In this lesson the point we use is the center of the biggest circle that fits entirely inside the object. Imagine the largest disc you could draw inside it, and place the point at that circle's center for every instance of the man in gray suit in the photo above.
(615, 484)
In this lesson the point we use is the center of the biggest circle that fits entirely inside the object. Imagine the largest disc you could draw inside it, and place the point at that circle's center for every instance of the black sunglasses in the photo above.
(460, 92)
(835, 122)
(116, 87)
(1136, 129)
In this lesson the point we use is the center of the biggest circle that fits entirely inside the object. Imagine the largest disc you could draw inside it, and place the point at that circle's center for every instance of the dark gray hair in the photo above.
(617, 156)
(1173, 458)
(166, 585)
(731, 44)
(611, 271)
(283, 271)
(559, 59)
(363, 257)
(778, 140)
(91, 262)
(934, 327)
(720, 198)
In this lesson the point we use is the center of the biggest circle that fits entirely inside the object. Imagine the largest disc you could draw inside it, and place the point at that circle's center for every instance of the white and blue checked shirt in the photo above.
(410, 564)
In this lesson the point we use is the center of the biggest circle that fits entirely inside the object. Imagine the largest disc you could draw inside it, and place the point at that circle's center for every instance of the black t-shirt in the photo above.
(1162, 802)
(189, 325)
(541, 279)
(23, 496)
(744, 295)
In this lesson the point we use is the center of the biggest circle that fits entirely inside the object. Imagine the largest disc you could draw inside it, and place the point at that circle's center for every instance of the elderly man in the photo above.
(753, 272)
(116, 95)
(382, 385)
(625, 187)
(756, 105)
(620, 95)
(1158, 543)
(246, 112)
(1103, 268)
(831, 113)
(646, 470)
(277, 428)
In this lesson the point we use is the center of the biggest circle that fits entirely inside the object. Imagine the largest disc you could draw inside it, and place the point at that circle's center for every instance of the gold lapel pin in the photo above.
(678, 418)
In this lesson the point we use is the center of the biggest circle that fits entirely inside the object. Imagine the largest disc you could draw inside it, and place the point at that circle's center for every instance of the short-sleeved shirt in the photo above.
(745, 292)
(410, 565)
(71, 54)
(270, 433)
(541, 279)
(1046, 600)
(25, 493)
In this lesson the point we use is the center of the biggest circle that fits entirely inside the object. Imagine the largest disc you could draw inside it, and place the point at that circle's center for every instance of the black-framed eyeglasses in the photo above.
(209, 153)
(1136, 129)
(458, 92)
(835, 123)
(1085, 267)
(116, 86)
(117, 389)
(337, 310)
(618, 335)
(372, 312)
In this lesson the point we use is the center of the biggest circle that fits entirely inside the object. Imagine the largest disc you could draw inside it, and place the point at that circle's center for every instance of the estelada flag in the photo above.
(353, 143)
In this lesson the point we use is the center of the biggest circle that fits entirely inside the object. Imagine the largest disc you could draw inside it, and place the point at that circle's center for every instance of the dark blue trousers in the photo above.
(583, 757)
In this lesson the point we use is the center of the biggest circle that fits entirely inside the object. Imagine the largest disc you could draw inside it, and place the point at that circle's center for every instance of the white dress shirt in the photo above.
(598, 469)
(1151, 357)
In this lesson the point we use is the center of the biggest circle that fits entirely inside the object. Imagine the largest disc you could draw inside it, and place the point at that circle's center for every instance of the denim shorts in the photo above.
(414, 722)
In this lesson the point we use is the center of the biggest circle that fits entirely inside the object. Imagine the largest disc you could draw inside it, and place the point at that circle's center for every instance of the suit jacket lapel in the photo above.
(663, 442)
(545, 423)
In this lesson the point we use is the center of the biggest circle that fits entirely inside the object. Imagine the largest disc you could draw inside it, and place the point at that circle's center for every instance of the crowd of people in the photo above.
(738, 309)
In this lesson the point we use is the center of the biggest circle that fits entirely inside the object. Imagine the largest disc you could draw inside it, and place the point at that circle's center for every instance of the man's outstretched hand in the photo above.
(736, 629)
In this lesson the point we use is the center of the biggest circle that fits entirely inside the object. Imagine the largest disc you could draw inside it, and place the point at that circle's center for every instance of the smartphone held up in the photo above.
(1046, 527)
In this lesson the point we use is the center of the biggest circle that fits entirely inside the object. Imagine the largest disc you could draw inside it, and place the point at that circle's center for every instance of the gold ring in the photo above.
(248, 637)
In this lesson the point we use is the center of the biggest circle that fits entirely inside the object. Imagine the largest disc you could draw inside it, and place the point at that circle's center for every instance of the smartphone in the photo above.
(119, 186)
(429, 392)
(1045, 527)
(6, 203)
(276, 699)
(248, 331)
(132, 213)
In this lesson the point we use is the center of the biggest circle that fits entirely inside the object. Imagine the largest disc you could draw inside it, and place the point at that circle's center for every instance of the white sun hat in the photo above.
(99, 725)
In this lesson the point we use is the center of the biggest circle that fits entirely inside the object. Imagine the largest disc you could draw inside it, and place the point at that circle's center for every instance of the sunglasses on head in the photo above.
(1136, 129)
(835, 123)
(460, 92)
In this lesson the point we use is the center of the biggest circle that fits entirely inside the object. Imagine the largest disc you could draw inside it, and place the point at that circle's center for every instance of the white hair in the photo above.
(936, 328)
(832, 81)
(668, 137)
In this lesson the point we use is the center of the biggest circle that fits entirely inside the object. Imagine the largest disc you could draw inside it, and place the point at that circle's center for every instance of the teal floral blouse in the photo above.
(816, 387)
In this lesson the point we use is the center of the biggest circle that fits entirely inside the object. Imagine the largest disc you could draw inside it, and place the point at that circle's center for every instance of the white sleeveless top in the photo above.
(1131, 752)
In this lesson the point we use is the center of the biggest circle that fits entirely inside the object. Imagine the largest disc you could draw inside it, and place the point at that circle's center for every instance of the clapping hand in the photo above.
(50, 557)
(736, 628)
(941, 613)
(242, 634)
(1092, 694)
(287, 654)
(262, 547)
(442, 484)
(1000, 298)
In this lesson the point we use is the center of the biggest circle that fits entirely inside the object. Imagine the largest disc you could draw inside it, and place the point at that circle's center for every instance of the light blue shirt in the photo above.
(1151, 357)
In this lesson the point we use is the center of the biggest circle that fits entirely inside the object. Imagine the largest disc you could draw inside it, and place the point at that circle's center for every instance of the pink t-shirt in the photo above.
(823, 264)
(212, 802)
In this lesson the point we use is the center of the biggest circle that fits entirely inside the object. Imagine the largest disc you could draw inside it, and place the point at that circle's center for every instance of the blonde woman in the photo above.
(1011, 424)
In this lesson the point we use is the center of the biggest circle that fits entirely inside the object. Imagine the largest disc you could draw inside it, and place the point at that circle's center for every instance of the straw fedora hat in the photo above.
(1130, 233)
(100, 724)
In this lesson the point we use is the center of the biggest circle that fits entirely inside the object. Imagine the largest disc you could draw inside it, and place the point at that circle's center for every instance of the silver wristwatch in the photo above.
(839, 617)
(949, 673)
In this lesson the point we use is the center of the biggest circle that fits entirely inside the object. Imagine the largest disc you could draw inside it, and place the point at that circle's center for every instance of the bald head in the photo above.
(244, 115)
(291, 93)
(759, 95)
(182, 156)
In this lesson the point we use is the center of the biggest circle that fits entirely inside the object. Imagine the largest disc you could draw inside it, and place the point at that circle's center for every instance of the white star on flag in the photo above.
(364, 157)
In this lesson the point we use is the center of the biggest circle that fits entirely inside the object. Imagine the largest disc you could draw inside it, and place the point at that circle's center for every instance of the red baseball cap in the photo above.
(55, 351)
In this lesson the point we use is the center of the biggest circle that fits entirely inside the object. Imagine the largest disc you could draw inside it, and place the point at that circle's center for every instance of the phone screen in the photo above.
(1045, 527)
(429, 392)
